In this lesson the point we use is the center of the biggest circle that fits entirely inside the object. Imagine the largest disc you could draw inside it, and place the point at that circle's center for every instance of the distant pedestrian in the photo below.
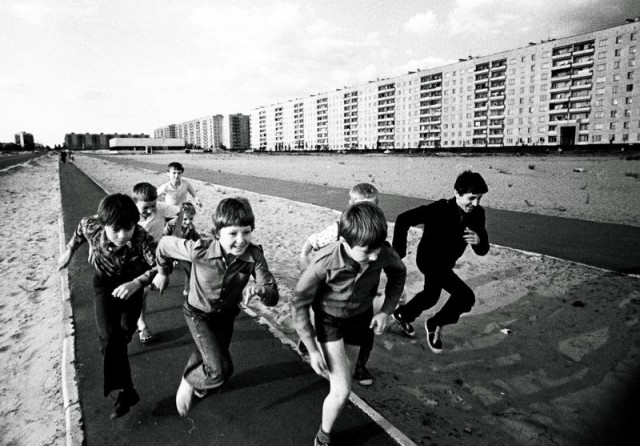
(123, 255)
(176, 189)
(340, 285)
(182, 226)
(153, 218)
(449, 226)
(222, 267)
(63, 156)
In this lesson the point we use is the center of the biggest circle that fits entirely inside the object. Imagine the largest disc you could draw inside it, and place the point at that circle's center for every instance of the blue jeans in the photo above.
(210, 365)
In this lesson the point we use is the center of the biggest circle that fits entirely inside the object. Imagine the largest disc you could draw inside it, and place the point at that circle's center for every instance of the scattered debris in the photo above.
(531, 166)
(528, 204)
(578, 169)
(578, 304)
(506, 331)
(633, 175)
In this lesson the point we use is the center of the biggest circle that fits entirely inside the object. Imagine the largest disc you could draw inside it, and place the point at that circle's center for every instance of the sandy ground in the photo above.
(545, 353)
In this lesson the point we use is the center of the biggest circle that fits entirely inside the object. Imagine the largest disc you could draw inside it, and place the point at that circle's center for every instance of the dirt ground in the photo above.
(550, 353)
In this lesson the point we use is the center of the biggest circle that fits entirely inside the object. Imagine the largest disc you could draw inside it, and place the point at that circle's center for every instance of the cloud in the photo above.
(421, 23)
(37, 12)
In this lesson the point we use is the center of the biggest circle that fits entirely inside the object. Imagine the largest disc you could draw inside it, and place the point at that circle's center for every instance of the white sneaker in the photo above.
(184, 397)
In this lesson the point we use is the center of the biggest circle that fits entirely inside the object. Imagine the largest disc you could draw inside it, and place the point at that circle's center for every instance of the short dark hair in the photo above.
(234, 211)
(188, 208)
(363, 224)
(470, 183)
(118, 211)
(176, 165)
(365, 190)
(144, 192)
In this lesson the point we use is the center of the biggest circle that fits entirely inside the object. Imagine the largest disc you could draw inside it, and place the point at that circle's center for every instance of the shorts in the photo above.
(354, 330)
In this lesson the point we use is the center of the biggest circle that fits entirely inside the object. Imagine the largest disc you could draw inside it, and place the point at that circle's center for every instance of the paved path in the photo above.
(604, 245)
(273, 398)
(12, 160)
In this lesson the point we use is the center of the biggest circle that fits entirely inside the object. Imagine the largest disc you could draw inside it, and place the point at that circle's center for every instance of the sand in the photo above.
(545, 353)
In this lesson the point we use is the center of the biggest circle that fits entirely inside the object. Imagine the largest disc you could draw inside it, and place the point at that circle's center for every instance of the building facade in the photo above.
(578, 90)
(211, 132)
(25, 140)
(94, 141)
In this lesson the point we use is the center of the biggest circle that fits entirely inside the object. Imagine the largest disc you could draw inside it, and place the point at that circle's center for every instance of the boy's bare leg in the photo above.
(340, 359)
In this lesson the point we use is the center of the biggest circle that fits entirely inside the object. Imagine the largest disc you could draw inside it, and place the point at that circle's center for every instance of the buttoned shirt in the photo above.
(154, 225)
(337, 285)
(216, 284)
(134, 260)
(188, 232)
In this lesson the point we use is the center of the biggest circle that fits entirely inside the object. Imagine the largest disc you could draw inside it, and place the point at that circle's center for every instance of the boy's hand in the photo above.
(318, 364)
(251, 291)
(161, 282)
(64, 260)
(303, 262)
(198, 202)
(379, 322)
(127, 289)
(471, 237)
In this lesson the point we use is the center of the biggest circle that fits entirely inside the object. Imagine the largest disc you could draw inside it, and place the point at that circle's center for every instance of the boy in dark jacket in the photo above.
(449, 226)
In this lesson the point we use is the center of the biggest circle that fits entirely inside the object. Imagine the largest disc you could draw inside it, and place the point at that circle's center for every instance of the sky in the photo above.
(112, 66)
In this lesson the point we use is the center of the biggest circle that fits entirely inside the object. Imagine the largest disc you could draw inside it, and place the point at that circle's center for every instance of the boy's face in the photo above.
(187, 219)
(235, 239)
(174, 175)
(468, 202)
(119, 236)
(357, 198)
(147, 208)
(361, 254)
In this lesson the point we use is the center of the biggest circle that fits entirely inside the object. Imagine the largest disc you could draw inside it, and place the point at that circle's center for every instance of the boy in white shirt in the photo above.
(176, 190)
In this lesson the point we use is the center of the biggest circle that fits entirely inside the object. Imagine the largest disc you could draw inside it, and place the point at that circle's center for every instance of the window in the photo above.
(598, 127)
(625, 125)
(633, 36)
(614, 101)
(602, 55)
(614, 113)
(599, 114)
(630, 75)
(543, 97)
(601, 79)
(603, 42)
(618, 39)
(632, 50)
(532, 89)
(616, 77)
(628, 101)
(612, 126)
(616, 64)
(617, 52)
(544, 76)
(632, 62)
(600, 90)
(599, 103)
(630, 87)
(602, 67)
(545, 65)
(596, 138)
(614, 89)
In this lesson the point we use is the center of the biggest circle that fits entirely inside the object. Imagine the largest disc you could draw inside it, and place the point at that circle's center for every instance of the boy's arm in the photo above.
(161, 190)
(482, 247)
(149, 247)
(404, 221)
(168, 228)
(77, 239)
(303, 297)
(396, 272)
(269, 294)
(317, 241)
(192, 191)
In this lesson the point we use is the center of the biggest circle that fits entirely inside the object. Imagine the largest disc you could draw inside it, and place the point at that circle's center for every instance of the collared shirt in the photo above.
(134, 260)
(442, 241)
(188, 232)
(337, 285)
(214, 283)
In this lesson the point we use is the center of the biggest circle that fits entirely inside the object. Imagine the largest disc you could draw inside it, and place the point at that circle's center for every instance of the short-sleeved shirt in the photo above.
(324, 237)
(135, 260)
(175, 196)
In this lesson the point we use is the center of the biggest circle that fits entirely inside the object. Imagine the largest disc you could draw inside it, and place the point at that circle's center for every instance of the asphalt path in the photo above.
(273, 398)
(12, 160)
(604, 245)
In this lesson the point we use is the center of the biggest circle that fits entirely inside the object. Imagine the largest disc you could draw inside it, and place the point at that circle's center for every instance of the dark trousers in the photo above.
(461, 300)
(210, 365)
(116, 321)
(365, 349)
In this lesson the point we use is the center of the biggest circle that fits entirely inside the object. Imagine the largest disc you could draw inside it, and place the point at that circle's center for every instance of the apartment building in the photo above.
(211, 132)
(583, 89)
(25, 140)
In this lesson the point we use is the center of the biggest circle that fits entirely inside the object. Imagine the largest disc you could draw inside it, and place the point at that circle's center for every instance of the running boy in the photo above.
(176, 189)
(187, 231)
(153, 218)
(123, 255)
(221, 270)
(449, 226)
(340, 285)
(359, 192)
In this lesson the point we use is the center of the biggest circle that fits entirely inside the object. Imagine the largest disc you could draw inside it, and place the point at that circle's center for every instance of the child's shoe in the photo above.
(407, 327)
(145, 336)
(184, 397)
(363, 376)
(124, 400)
(434, 338)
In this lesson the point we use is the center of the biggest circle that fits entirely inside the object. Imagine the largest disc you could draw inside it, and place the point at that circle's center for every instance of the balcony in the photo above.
(581, 109)
(581, 86)
(561, 53)
(501, 77)
(586, 63)
(583, 52)
(581, 74)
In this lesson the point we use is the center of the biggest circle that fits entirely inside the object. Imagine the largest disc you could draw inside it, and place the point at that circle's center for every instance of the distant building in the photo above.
(25, 140)
(583, 89)
(211, 132)
(94, 141)
(146, 143)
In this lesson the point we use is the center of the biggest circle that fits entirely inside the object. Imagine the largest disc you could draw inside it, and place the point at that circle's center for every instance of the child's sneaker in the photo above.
(363, 376)
(406, 327)
(434, 338)
(145, 336)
